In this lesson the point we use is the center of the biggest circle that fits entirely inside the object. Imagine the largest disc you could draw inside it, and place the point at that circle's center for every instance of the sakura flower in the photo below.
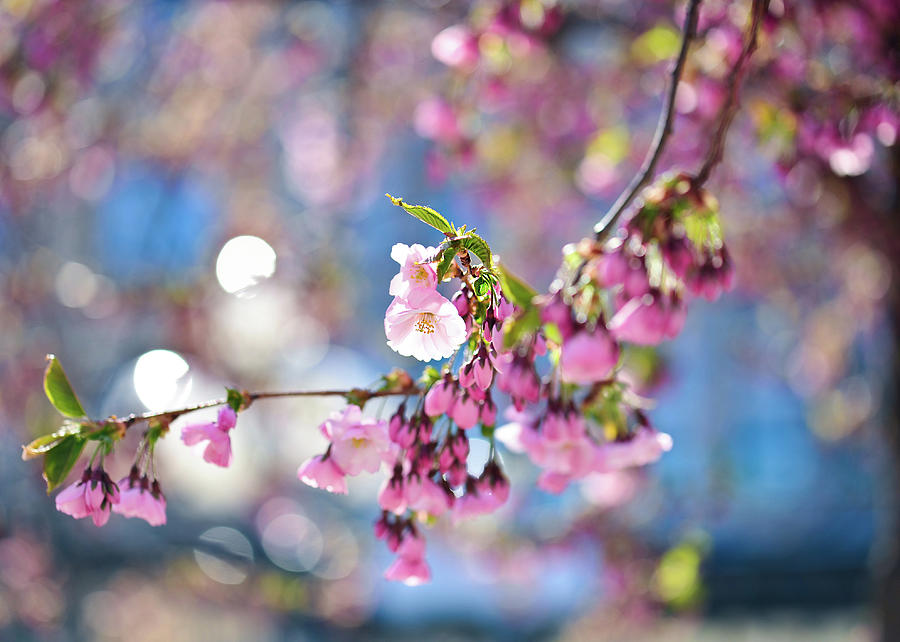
(425, 325)
(440, 397)
(218, 448)
(357, 444)
(322, 472)
(588, 356)
(409, 567)
(649, 320)
(428, 497)
(392, 497)
(140, 498)
(645, 447)
(415, 270)
(93, 495)
(465, 411)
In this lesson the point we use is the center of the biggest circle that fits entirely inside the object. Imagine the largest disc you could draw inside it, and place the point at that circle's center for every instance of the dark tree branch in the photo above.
(663, 128)
(733, 86)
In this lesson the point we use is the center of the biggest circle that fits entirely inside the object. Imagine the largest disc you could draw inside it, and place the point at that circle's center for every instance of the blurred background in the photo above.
(191, 196)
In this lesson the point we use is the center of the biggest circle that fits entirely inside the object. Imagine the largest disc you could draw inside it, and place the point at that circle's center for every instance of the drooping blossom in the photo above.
(588, 356)
(410, 566)
(425, 325)
(650, 319)
(645, 447)
(142, 499)
(218, 448)
(93, 495)
(415, 270)
(392, 495)
(357, 443)
(321, 472)
(440, 397)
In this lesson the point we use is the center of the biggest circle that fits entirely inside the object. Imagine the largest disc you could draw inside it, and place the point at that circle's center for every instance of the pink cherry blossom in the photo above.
(429, 498)
(440, 397)
(465, 411)
(140, 498)
(645, 447)
(456, 46)
(425, 326)
(357, 444)
(409, 567)
(321, 472)
(415, 270)
(218, 448)
(588, 356)
(94, 495)
(649, 320)
(391, 497)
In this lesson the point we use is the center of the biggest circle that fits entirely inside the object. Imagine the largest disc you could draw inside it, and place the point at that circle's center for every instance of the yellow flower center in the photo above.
(425, 323)
(419, 274)
(358, 442)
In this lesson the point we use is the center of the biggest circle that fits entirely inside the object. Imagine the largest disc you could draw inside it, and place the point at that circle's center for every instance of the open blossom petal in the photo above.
(218, 448)
(323, 473)
(646, 447)
(415, 271)
(587, 357)
(425, 325)
(71, 501)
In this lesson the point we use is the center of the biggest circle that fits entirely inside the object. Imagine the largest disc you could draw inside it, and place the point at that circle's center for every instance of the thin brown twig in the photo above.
(171, 415)
(663, 128)
(733, 84)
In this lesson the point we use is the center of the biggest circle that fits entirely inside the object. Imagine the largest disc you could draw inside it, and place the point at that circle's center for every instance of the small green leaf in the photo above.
(429, 376)
(426, 215)
(58, 390)
(445, 263)
(46, 443)
(235, 399)
(479, 247)
(59, 460)
(551, 331)
(482, 286)
(517, 328)
(515, 289)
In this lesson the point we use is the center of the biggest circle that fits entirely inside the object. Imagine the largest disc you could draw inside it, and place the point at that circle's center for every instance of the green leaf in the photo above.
(46, 443)
(235, 399)
(59, 460)
(59, 391)
(515, 289)
(482, 286)
(525, 323)
(479, 247)
(445, 263)
(426, 215)
(429, 376)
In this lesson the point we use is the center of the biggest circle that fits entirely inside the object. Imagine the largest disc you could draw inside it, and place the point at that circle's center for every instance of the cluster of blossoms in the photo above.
(555, 356)
(139, 494)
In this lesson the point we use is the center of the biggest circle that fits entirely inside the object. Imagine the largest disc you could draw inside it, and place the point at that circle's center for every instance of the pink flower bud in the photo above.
(488, 412)
(649, 320)
(323, 473)
(484, 371)
(459, 444)
(440, 397)
(467, 375)
(588, 357)
(391, 497)
(457, 474)
(465, 412)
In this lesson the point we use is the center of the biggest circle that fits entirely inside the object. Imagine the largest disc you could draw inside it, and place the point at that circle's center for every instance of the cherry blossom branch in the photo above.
(733, 84)
(663, 128)
(360, 394)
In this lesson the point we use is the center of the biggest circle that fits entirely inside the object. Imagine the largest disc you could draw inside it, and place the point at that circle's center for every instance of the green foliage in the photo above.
(446, 262)
(526, 323)
(235, 399)
(479, 247)
(515, 289)
(426, 215)
(60, 459)
(429, 376)
(59, 391)
(45, 443)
